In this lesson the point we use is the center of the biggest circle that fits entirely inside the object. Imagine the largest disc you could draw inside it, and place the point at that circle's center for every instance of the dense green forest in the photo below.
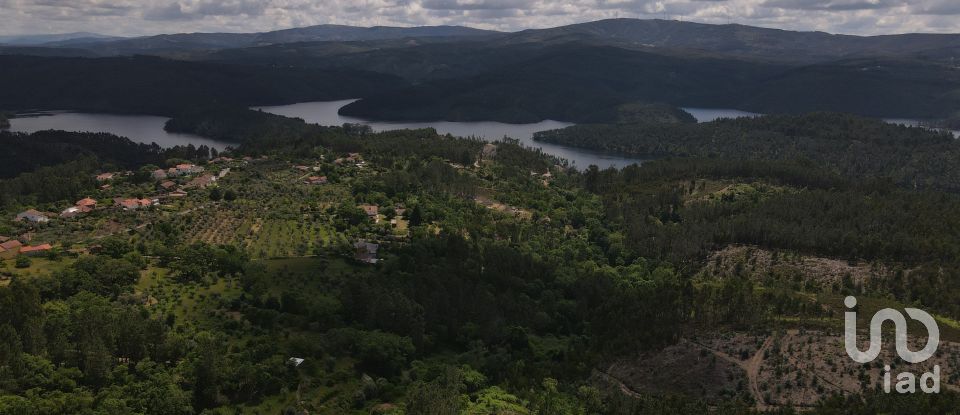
(148, 85)
(848, 145)
(581, 83)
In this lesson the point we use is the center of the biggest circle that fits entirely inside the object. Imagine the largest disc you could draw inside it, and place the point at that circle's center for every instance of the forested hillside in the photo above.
(848, 145)
(149, 85)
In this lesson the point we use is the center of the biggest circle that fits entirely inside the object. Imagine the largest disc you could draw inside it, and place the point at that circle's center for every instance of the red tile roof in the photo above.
(11, 244)
(38, 248)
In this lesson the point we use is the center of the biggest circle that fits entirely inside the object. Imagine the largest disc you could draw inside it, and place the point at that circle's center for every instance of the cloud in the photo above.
(141, 17)
(198, 9)
(833, 5)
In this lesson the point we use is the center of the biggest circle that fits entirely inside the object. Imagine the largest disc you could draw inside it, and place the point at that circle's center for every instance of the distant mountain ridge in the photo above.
(662, 36)
(743, 41)
(322, 33)
(46, 39)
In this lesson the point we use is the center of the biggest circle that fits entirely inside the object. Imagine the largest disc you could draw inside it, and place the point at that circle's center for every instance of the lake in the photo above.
(326, 113)
(139, 128)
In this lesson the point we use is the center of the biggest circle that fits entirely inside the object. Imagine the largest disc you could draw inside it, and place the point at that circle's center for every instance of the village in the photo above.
(218, 201)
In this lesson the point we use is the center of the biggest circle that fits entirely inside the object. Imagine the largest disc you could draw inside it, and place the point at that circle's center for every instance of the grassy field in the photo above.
(191, 304)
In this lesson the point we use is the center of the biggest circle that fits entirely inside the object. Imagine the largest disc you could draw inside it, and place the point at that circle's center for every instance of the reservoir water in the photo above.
(326, 113)
(139, 128)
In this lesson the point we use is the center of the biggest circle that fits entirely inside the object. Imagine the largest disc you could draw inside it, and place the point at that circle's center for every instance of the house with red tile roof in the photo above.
(133, 204)
(87, 202)
(102, 177)
(35, 250)
(10, 249)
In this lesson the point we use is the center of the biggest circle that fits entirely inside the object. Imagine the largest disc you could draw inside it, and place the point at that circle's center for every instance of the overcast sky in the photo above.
(143, 17)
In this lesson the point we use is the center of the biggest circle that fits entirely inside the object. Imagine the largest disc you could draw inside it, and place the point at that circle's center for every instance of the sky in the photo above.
(146, 17)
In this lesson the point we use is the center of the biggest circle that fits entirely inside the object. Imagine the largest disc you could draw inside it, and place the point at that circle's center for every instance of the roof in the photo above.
(202, 181)
(11, 244)
(370, 210)
(167, 184)
(32, 215)
(133, 203)
(28, 249)
(366, 251)
(86, 202)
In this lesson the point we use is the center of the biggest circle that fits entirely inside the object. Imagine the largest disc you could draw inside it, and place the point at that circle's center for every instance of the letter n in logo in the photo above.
(900, 326)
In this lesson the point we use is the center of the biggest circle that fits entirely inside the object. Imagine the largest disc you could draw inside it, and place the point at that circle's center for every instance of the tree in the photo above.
(207, 372)
(22, 262)
(441, 396)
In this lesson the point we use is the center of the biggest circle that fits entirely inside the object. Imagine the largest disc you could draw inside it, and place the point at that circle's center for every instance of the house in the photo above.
(102, 177)
(35, 250)
(85, 205)
(316, 180)
(370, 210)
(133, 204)
(366, 252)
(167, 185)
(177, 194)
(10, 249)
(302, 168)
(189, 169)
(159, 174)
(223, 173)
(221, 160)
(184, 169)
(202, 182)
(32, 215)
(70, 212)
(88, 202)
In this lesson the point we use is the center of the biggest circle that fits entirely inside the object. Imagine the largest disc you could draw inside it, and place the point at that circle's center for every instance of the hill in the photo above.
(152, 85)
(576, 82)
(192, 42)
(743, 41)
